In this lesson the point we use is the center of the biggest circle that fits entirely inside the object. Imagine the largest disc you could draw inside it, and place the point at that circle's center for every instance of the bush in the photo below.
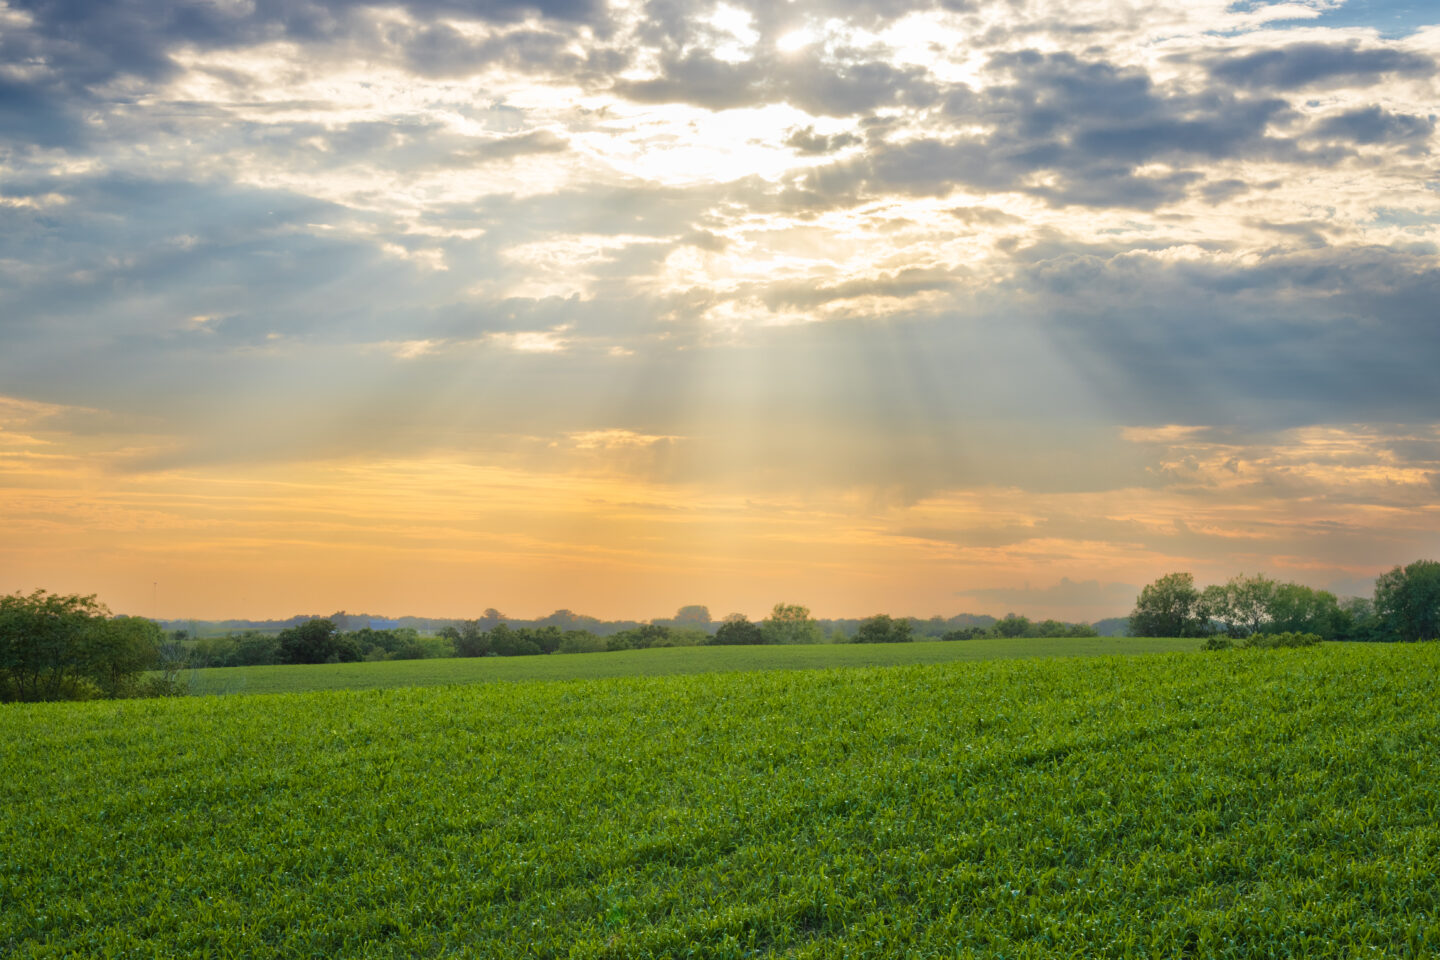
(1217, 643)
(1272, 641)
(581, 641)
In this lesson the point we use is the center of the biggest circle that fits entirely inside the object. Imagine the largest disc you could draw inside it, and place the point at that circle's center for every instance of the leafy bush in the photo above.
(1217, 643)
(1272, 641)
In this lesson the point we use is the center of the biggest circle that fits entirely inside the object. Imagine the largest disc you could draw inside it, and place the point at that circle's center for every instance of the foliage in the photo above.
(316, 641)
(883, 629)
(1273, 641)
(1170, 806)
(1169, 607)
(650, 635)
(1217, 643)
(1406, 607)
(1244, 605)
(1296, 608)
(57, 647)
(1407, 601)
(1012, 625)
(737, 630)
(791, 623)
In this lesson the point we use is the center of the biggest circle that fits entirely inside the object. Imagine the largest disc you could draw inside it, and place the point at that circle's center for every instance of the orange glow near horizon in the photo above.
(441, 536)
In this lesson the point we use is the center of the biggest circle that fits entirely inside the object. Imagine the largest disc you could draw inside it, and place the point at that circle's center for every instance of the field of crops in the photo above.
(1233, 804)
(654, 662)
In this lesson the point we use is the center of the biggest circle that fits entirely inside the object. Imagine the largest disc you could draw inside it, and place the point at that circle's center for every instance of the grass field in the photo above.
(654, 662)
(1235, 804)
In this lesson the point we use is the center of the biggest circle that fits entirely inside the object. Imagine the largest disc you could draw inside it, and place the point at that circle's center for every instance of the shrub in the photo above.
(1217, 643)
(1272, 641)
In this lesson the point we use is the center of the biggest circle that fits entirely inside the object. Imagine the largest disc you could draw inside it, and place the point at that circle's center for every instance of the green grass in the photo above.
(1237, 804)
(648, 663)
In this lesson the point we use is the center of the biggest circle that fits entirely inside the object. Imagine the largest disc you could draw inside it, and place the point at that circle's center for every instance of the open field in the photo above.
(654, 662)
(1236, 804)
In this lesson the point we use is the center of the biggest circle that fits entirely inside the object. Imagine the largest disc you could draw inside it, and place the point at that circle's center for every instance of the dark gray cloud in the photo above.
(1331, 335)
(822, 87)
(806, 141)
(1371, 125)
(1091, 123)
(1317, 64)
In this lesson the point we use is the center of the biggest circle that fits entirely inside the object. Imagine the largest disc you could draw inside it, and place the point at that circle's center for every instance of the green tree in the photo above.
(58, 647)
(116, 652)
(1407, 601)
(1248, 603)
(737, 629)
(881, 628)
(1169, 607)
(1012, 626)
(791, 623)
(316, 641)
(1296, 608)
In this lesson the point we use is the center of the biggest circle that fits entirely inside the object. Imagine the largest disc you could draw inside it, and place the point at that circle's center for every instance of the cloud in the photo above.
(1371, 125)
(806, 141)
(1300, 65)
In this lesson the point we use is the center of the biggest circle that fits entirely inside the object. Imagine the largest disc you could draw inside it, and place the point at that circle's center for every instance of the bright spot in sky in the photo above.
(795, 40)
(741, 29)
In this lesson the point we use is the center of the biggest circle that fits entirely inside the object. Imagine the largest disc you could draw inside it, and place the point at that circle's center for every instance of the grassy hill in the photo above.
(652, 662)
(1235, 804)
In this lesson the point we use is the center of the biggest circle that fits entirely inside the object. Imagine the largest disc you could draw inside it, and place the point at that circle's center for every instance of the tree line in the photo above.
(320, 640)
(1405, 607)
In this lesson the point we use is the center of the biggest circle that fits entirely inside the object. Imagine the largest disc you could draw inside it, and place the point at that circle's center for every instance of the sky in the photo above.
(618, 305)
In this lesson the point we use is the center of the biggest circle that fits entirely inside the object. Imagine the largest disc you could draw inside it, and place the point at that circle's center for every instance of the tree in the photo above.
(737, 629)
(116, 652)
(1249, 600)
(881, 628)
(57, 647)
(1012, 626)
(1168, 608)
(791, 623)
(694, 615)
(1407, 601)
(315, 641)
(1296, 608)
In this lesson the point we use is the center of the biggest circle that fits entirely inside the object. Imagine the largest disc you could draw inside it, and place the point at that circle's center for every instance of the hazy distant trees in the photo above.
(791, 623)
(56, 647)
(882, 628)
(737, 630)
